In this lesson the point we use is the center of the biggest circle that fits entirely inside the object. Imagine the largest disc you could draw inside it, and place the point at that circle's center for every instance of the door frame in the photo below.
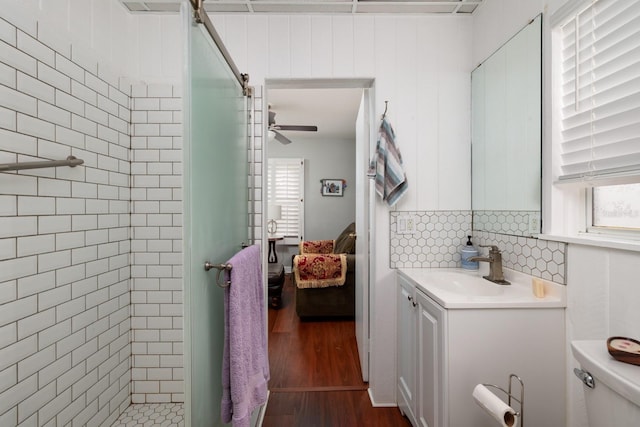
(368, 206)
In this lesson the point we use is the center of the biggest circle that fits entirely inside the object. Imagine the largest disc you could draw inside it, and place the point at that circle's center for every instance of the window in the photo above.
(285, 187)
(615, 207)
(600, 110)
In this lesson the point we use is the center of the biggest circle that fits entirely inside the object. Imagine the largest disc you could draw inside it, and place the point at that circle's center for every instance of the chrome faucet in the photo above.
(495, 265)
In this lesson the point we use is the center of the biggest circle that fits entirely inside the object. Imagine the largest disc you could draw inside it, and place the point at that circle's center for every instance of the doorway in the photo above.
(327, 103)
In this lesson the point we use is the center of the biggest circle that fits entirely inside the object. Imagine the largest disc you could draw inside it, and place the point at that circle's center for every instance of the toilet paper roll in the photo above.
(503, 413)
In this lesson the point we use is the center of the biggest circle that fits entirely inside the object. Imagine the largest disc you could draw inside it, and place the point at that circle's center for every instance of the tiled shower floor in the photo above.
(152, 415)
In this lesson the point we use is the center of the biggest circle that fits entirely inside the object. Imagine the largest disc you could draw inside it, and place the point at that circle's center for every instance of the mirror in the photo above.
(506, 136)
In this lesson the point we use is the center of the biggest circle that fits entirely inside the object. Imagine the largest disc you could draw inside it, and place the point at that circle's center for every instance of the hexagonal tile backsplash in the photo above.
(514, 223)
(435, 242)
(537, 257)
(438, 236)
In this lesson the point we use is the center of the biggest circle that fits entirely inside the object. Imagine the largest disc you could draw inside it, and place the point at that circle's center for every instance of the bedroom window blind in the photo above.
(285, 187)
(600, 80)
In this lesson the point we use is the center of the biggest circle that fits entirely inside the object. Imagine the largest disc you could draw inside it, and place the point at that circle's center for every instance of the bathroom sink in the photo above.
(466, 284)
(459, 288)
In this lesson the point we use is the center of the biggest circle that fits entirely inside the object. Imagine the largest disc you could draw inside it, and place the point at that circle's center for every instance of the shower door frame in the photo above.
(193, 256)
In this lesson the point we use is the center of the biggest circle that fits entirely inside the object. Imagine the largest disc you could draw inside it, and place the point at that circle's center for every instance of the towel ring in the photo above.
(220, 267)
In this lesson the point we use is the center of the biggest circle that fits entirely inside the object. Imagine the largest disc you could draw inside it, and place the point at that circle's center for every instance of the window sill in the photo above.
(609, 242)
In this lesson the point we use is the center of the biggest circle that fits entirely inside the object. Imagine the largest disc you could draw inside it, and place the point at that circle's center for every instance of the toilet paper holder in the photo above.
(510, 395)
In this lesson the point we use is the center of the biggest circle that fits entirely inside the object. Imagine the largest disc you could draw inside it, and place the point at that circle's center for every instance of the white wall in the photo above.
(421, 65)
(600, 281)
(496, 21)
(145, 47)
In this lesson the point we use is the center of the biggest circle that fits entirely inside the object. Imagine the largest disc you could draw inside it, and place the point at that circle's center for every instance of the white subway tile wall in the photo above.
(64, 237)
(156, 244)
(255, 155)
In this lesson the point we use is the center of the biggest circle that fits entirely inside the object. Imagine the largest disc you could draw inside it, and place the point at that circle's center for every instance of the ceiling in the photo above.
(334, 111)
(314, 6)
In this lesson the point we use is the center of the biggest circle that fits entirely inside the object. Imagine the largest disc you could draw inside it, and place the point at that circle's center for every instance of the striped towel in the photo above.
(391, 181)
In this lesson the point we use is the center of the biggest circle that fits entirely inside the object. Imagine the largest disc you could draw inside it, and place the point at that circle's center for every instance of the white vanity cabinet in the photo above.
(421, 356)
(443, 352)
(432, 362)
(407, 348)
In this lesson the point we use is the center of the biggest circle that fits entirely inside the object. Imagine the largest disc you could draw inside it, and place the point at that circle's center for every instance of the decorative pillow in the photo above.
(317, 246)
(346, 242)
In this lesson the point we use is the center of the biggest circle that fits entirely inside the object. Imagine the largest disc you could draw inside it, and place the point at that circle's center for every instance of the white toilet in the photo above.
(615, 398)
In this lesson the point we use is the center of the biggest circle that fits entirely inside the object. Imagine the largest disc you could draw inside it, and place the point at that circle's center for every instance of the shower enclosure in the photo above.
(216, 219)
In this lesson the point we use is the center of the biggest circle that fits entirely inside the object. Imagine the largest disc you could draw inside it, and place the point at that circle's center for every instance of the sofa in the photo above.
(330, 301)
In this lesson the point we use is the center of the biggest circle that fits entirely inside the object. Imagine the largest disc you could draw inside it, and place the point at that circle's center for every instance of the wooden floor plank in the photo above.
(329, 409)
(285, 318)
(315, 373)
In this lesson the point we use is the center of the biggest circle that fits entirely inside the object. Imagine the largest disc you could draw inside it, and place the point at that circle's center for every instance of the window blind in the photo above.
(601, 92)
(285, 187)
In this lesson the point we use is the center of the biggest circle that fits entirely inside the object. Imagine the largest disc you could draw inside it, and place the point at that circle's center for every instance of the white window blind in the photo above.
(601, 92)
(285, 187)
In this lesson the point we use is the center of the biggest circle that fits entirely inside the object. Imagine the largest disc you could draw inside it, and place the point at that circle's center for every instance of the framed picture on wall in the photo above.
(332, 187)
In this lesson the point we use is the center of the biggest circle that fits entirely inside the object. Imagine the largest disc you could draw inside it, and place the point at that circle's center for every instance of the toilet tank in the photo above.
(615, 399)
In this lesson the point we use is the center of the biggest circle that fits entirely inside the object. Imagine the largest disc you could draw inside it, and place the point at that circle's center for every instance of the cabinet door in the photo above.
(406, 355)
(431, 370)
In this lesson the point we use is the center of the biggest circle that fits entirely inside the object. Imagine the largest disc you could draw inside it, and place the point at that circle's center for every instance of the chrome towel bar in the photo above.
(220, 267)
(71, 161)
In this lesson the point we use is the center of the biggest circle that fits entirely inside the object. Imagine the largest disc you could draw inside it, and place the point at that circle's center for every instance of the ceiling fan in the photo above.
(277, 129)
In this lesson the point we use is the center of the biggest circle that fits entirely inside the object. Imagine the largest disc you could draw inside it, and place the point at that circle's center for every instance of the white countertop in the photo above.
(488, 295)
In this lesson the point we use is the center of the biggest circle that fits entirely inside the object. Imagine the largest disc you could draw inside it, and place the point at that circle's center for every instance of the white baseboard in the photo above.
(380, 404)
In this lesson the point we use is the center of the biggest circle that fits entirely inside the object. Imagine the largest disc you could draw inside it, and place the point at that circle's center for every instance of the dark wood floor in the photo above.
(315, 374)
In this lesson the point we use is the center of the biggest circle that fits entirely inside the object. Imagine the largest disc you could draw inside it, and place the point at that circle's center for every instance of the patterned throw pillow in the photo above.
(316, 246)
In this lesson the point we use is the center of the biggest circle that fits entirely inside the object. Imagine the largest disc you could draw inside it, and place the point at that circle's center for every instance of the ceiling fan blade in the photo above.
(298, 128)
(281, 138)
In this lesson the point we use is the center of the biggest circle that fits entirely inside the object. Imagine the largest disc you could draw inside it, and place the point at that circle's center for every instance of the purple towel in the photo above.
(245, 362)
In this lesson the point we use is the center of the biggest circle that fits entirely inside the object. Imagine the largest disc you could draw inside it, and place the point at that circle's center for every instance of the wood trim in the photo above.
(319, 389)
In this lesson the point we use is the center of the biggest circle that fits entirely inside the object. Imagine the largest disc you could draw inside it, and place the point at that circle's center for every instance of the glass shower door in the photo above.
(215, 215)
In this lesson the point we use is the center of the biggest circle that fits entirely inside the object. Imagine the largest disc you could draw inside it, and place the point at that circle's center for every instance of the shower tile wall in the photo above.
(64, 236)
(256, 153)
(156, 244)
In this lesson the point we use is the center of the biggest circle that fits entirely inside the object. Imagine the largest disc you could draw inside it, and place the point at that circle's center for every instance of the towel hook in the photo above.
(386, 104)
(220, 267)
